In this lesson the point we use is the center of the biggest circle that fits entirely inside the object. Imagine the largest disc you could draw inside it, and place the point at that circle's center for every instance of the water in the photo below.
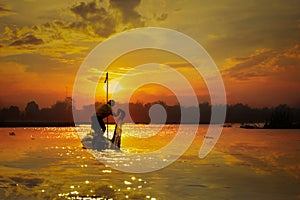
(49, 163)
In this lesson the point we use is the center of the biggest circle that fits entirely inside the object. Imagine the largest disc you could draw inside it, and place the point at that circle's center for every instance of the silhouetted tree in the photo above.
(13, 113)
(280, 117)
(139, 113)
(173, 114)
(62, 110)
(46, 114)
(205, 112)
(32, 110)
(241, 113)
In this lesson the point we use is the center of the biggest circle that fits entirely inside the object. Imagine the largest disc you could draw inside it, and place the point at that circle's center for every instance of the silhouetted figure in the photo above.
(97, 140)
(103, 112)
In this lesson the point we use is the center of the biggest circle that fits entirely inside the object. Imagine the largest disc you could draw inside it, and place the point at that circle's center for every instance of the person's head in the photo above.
(111, 102)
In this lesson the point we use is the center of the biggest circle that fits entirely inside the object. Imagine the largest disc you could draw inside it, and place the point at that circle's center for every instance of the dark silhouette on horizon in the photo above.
(59, 114)
(281, 116)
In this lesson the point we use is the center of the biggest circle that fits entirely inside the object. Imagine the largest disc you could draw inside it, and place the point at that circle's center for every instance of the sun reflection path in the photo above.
(91, 190)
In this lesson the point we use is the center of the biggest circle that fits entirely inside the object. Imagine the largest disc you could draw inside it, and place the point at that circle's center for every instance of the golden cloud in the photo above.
(262, 63)
(5, 11)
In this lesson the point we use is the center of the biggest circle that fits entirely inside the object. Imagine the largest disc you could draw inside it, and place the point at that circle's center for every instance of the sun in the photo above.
(113, 86)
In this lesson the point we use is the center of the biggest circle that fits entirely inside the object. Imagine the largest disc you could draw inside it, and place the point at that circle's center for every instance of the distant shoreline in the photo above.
(72, 124)
(36, 124)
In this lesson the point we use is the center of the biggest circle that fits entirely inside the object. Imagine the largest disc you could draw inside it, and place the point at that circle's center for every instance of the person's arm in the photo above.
(120, 113)
(115, 114)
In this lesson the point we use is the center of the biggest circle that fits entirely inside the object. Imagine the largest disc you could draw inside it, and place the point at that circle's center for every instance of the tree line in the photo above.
(61, 111)
(236, 113)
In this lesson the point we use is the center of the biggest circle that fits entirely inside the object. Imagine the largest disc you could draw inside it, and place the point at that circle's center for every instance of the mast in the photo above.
(106, 81)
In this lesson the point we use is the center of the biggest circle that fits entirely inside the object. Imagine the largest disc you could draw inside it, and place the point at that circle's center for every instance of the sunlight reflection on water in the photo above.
(54, 166)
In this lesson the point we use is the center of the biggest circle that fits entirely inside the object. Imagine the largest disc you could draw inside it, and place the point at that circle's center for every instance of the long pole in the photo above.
(106, 79)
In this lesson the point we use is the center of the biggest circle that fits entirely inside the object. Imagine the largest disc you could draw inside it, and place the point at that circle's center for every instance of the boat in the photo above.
(97, 141)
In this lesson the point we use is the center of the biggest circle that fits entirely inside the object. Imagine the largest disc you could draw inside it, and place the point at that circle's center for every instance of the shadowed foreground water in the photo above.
(49, 163)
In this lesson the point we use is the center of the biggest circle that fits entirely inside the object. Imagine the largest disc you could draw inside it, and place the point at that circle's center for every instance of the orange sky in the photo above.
(255, 45)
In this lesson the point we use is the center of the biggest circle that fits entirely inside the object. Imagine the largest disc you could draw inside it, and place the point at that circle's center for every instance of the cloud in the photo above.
(128, 11)
(162, 17)
(105, 18)
(27, 40)
(4, 11)
(54, 38)
(87, 23)
(263, 63)
(93, 18)
(86, 9)
(41, 64)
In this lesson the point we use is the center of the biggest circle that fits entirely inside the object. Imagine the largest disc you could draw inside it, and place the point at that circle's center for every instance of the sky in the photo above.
(255, 45)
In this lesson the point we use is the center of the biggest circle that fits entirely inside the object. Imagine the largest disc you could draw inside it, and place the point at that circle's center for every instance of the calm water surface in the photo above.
(50, 163)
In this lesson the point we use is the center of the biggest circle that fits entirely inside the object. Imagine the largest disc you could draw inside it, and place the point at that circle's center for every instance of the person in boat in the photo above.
(105, 111)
